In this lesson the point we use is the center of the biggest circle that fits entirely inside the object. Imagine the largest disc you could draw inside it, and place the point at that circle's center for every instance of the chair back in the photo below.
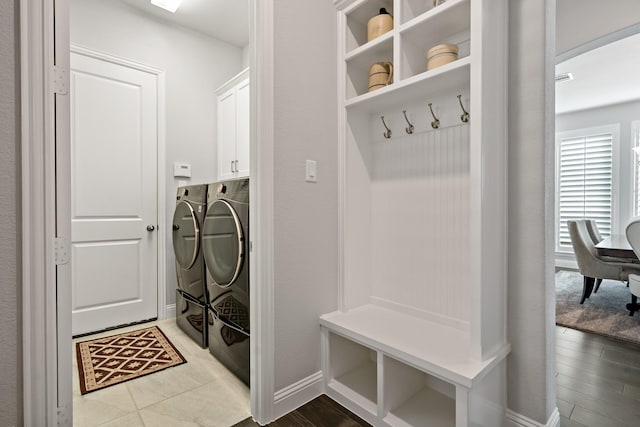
(592, 228)
(583, 247)
(633, 234)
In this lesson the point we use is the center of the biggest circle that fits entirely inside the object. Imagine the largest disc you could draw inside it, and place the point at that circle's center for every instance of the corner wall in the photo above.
(306, 214)
(531, 297)
(10, 213)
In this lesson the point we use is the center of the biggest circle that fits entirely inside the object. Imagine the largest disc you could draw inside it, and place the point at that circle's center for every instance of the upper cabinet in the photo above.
(233, 127)
(419, 337)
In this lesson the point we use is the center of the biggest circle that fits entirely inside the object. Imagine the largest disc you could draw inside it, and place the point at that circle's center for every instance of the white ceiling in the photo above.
(607, 75)
(226, 20)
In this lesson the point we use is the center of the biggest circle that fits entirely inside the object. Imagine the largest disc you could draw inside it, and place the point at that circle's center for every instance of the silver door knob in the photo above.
(150, 227)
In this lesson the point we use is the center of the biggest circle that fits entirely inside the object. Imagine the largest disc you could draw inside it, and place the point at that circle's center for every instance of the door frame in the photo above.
(161, 196)
(44, 25)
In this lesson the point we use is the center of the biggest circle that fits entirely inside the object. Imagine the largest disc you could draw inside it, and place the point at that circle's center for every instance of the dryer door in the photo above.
(186, 235)
(223, 243)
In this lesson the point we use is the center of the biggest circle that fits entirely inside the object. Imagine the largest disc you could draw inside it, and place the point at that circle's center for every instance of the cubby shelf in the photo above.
(419, 338)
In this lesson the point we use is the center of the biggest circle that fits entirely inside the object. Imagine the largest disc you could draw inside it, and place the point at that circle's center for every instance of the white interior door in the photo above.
(114, 214)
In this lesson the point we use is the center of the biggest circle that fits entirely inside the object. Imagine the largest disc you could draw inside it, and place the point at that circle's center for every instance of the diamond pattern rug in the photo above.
(103, 362)
(604, 313)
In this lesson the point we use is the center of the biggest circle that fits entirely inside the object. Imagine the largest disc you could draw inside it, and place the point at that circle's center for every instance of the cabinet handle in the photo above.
(237, 170)
(232, 163)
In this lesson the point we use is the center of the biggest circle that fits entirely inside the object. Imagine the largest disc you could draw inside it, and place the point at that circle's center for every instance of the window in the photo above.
(584, 180)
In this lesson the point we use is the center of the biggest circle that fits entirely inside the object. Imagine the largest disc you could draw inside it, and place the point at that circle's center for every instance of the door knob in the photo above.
(150, 227)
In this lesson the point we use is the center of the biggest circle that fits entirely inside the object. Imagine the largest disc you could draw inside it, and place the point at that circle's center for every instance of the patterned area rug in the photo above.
(603, 313)
(104, 362)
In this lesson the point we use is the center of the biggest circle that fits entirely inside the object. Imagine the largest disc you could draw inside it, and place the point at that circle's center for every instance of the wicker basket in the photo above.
(380, 75)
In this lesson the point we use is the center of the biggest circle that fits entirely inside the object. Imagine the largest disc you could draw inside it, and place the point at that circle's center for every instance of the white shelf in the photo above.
(431, 347)
(427, 408)
(449, 77)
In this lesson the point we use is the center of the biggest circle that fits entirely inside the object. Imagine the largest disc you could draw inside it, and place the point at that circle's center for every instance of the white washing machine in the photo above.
(191, 293)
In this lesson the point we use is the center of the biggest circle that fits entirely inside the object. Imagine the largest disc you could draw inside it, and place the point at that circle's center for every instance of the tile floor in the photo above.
(201, 392)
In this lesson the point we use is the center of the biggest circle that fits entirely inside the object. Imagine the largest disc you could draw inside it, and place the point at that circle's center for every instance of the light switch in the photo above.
(311, 171)
(181, 170)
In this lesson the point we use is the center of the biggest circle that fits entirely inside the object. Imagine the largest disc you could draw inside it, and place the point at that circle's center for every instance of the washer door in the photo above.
(186, 235)
(223, 243)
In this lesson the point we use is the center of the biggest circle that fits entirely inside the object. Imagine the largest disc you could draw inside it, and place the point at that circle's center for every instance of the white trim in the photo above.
(169, 311)
(261, 210)
(599, 42)
(39, 363)
(297, 394)
(515, 419)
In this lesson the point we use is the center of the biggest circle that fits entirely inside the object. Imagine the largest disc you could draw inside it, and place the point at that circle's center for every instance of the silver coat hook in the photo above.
(436, 122)
(465, 115)
(387, 133)
(408, 129)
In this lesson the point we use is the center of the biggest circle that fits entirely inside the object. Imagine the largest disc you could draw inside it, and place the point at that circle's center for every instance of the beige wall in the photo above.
(582, 21)
(10, 309)
(306, 215)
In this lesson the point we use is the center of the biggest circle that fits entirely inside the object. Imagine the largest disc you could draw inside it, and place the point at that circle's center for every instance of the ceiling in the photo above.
(226, 20)
(603, 76)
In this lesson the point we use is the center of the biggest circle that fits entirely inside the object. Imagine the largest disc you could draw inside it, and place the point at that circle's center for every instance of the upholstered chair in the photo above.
(633, 236)
(590, 265)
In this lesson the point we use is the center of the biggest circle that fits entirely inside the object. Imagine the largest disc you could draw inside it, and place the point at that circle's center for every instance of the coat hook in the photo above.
(408, 129)
(436, 122)
(387, 133)
(465, 115)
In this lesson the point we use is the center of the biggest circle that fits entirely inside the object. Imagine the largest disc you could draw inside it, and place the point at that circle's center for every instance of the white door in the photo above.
(243, 105)
(113, 194)
(226, 135)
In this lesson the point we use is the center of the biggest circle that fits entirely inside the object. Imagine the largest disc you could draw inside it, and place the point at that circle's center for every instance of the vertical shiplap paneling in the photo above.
(420, 221)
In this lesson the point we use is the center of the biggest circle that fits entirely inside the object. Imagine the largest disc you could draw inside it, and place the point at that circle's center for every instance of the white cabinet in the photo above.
(419, 337)
(233, 127)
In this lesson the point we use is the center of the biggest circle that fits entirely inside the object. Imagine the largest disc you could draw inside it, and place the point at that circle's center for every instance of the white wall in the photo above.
(622, 114)
(306, 215)
(531, 299)
(195, 65)
(582, 21)
(10, 201)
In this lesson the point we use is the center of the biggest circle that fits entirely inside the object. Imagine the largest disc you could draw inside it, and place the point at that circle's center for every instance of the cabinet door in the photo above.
(242, 128)
(226, 135)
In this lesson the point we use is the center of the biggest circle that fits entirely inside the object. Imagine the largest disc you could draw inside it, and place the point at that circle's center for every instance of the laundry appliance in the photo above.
(191, 292)
(225, 243)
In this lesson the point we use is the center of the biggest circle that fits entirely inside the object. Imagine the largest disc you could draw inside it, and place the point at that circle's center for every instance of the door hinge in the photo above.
(62, 250)
(60, 79)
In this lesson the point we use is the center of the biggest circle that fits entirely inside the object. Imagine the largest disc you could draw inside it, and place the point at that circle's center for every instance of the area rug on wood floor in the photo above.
(603, 313)
(103, 362)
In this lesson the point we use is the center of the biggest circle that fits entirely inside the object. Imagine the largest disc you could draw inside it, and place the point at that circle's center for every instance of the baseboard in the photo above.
(170, 311)
(513, 419)
(297, 394)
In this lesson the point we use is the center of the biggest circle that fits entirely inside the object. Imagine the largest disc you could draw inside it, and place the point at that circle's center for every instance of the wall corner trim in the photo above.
(297, 394)
(515, 419)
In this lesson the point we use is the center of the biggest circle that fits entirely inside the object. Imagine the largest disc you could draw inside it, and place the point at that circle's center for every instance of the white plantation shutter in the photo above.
(635, 134)
(585, 181)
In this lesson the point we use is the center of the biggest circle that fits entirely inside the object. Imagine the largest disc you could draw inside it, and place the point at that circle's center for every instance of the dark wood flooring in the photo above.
(597, 385)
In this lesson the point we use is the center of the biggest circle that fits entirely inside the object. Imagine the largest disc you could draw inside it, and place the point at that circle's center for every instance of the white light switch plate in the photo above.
(311, 171)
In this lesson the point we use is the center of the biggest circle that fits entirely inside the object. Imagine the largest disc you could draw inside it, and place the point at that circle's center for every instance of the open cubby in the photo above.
(358, 18)
(414, 398)
(359, 63)
(353, 371)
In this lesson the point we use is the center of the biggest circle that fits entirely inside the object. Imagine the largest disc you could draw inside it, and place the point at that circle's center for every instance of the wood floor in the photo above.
(597, 385)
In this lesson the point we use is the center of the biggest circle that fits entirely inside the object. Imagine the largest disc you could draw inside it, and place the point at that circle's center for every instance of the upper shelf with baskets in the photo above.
(418, 26)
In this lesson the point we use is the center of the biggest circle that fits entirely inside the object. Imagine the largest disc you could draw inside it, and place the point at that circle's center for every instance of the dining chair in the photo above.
(596, 237)
(592, 266)
(633, 236)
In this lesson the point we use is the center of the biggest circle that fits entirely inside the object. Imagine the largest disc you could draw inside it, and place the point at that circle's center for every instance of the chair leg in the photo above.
(587, 288)
(598, 282)
(633, 307)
